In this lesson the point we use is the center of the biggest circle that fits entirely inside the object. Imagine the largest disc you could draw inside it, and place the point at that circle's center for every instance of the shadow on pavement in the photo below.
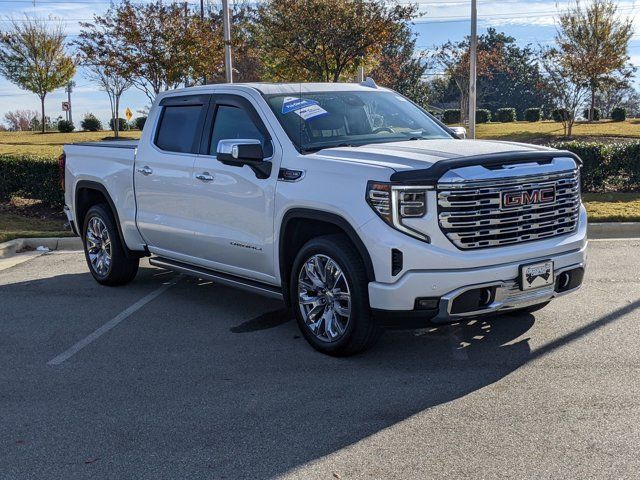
(190, 399)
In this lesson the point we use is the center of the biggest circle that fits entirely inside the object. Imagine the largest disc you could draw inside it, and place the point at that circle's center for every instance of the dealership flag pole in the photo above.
(472, 69)
(226, 27)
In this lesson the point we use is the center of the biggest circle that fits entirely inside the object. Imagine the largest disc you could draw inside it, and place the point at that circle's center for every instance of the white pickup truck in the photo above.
(347, 201)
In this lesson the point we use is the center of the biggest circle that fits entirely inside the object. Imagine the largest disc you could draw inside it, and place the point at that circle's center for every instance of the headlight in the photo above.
(394, 203)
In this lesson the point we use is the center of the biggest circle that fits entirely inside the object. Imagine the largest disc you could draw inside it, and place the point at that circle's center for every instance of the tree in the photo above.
(162, 46)
(102, 67)
(594, 41)
(568, 88)
(610, 95)
(400, 67)
(324, 40)
(454, 57)
(516, 80)
(33, 57)
(20, 120)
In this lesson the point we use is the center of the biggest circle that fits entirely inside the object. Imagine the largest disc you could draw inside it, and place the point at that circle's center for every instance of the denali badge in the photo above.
(532, 196)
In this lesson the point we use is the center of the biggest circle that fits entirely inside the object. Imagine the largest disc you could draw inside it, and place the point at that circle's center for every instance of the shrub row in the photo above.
(618, 114)
(607, 167)
(32, 177)
(452, 115)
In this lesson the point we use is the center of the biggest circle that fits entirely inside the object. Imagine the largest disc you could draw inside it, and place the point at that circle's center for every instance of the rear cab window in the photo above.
(180, 125)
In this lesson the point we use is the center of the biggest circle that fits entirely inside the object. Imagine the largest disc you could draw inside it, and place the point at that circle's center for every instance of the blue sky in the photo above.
(528, 21)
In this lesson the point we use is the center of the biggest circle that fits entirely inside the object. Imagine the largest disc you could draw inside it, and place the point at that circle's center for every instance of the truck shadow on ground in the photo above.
(212, 395)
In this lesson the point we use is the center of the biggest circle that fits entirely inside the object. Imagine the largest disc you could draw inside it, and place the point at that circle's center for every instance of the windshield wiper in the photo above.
(315, 149)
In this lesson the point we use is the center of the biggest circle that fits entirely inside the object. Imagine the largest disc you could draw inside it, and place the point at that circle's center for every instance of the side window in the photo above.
(233, 122)
(178, 127)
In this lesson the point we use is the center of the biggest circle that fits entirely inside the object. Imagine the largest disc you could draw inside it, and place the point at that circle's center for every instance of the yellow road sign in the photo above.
(128, 113)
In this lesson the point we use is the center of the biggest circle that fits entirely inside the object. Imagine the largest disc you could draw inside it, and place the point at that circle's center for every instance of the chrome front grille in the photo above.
(471, 213)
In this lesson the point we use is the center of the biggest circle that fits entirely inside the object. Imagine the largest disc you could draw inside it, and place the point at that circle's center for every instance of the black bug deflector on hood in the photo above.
(431, 175)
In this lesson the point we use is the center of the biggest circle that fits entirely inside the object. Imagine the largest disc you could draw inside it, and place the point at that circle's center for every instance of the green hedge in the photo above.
(450, 116)
(596, 113)
(32, 177)
(607, 167)
(560, 114)
(506, 115)
(483, 115)
(619, 114)
(533, 114)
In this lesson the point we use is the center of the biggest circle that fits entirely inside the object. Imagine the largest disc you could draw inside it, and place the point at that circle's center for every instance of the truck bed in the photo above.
(109, 143)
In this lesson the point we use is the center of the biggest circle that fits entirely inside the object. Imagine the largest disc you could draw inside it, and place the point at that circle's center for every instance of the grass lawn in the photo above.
(50, 144)
(543, 132)
(13, 225)
(612, 207)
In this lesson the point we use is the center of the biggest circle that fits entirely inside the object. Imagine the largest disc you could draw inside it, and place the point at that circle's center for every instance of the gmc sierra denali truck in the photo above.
(347, 201)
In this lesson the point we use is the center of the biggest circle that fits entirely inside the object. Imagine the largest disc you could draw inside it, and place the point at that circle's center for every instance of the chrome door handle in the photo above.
(145, 170)
(205, 177)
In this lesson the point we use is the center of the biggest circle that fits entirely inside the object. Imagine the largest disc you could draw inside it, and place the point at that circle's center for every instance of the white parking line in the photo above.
(109, 325)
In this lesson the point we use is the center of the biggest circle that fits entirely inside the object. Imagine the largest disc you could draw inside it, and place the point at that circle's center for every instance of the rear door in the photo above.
(233, 207)
(164, 176)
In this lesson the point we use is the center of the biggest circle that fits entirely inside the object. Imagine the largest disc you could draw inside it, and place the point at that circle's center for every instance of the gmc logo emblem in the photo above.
(532, 196)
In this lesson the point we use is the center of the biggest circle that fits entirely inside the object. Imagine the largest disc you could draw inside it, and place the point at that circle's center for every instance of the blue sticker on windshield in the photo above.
(291, 104)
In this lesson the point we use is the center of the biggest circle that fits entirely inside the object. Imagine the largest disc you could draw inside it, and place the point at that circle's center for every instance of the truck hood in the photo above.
(419, 154)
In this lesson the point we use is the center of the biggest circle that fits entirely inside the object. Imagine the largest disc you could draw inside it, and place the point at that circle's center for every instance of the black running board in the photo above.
(219, 277)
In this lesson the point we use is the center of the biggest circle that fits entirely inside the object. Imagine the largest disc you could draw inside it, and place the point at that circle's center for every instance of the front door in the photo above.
(234, 208)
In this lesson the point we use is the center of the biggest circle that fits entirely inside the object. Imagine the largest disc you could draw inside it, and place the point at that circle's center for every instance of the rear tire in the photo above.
(105, 254)
(329, 294)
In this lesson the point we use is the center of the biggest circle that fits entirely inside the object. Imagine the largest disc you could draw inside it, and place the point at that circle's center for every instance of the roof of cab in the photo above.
(275, 88)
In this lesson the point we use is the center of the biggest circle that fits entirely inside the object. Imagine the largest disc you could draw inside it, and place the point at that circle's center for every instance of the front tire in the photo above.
(103, 250)
(329, 293)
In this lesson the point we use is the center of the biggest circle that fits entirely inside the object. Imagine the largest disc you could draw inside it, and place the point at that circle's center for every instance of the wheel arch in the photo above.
(299, 225)
(89, 193)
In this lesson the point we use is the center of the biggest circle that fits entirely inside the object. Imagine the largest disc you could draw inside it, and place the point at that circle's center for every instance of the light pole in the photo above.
(69, 89)
(226, 30)
(472, 69)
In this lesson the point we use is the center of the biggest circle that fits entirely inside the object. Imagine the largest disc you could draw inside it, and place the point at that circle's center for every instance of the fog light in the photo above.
(427, 303)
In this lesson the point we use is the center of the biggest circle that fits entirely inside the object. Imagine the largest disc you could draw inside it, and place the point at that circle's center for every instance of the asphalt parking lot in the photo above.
(172, 377)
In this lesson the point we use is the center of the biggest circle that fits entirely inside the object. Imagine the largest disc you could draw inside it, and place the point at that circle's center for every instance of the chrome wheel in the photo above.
(324, 298)
(98, 244)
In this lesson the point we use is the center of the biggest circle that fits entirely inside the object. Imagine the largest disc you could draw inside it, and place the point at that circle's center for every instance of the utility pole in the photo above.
(226, 30)
(472, 69)
(204, 77)
(69, 89)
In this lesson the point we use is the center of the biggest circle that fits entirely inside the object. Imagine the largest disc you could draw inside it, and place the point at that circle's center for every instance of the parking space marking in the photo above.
(110, 324)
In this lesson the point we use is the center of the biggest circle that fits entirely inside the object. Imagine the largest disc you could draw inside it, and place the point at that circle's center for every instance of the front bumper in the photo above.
(398, 300)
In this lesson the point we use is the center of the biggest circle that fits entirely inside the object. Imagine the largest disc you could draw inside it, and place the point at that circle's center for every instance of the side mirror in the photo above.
(459, 132)
(244, 151)
(240, 150)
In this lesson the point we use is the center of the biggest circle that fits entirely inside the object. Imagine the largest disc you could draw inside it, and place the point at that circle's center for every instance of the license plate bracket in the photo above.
(536, 275)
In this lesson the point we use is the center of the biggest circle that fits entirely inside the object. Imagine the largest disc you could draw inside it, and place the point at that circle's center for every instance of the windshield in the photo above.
(328, 119)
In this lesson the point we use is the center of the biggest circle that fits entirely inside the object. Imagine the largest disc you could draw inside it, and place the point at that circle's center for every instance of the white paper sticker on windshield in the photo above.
(311, 111)
(306, 109)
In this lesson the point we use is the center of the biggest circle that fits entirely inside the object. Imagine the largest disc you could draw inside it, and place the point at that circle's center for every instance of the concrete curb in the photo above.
(10, 248)
(613, 230)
